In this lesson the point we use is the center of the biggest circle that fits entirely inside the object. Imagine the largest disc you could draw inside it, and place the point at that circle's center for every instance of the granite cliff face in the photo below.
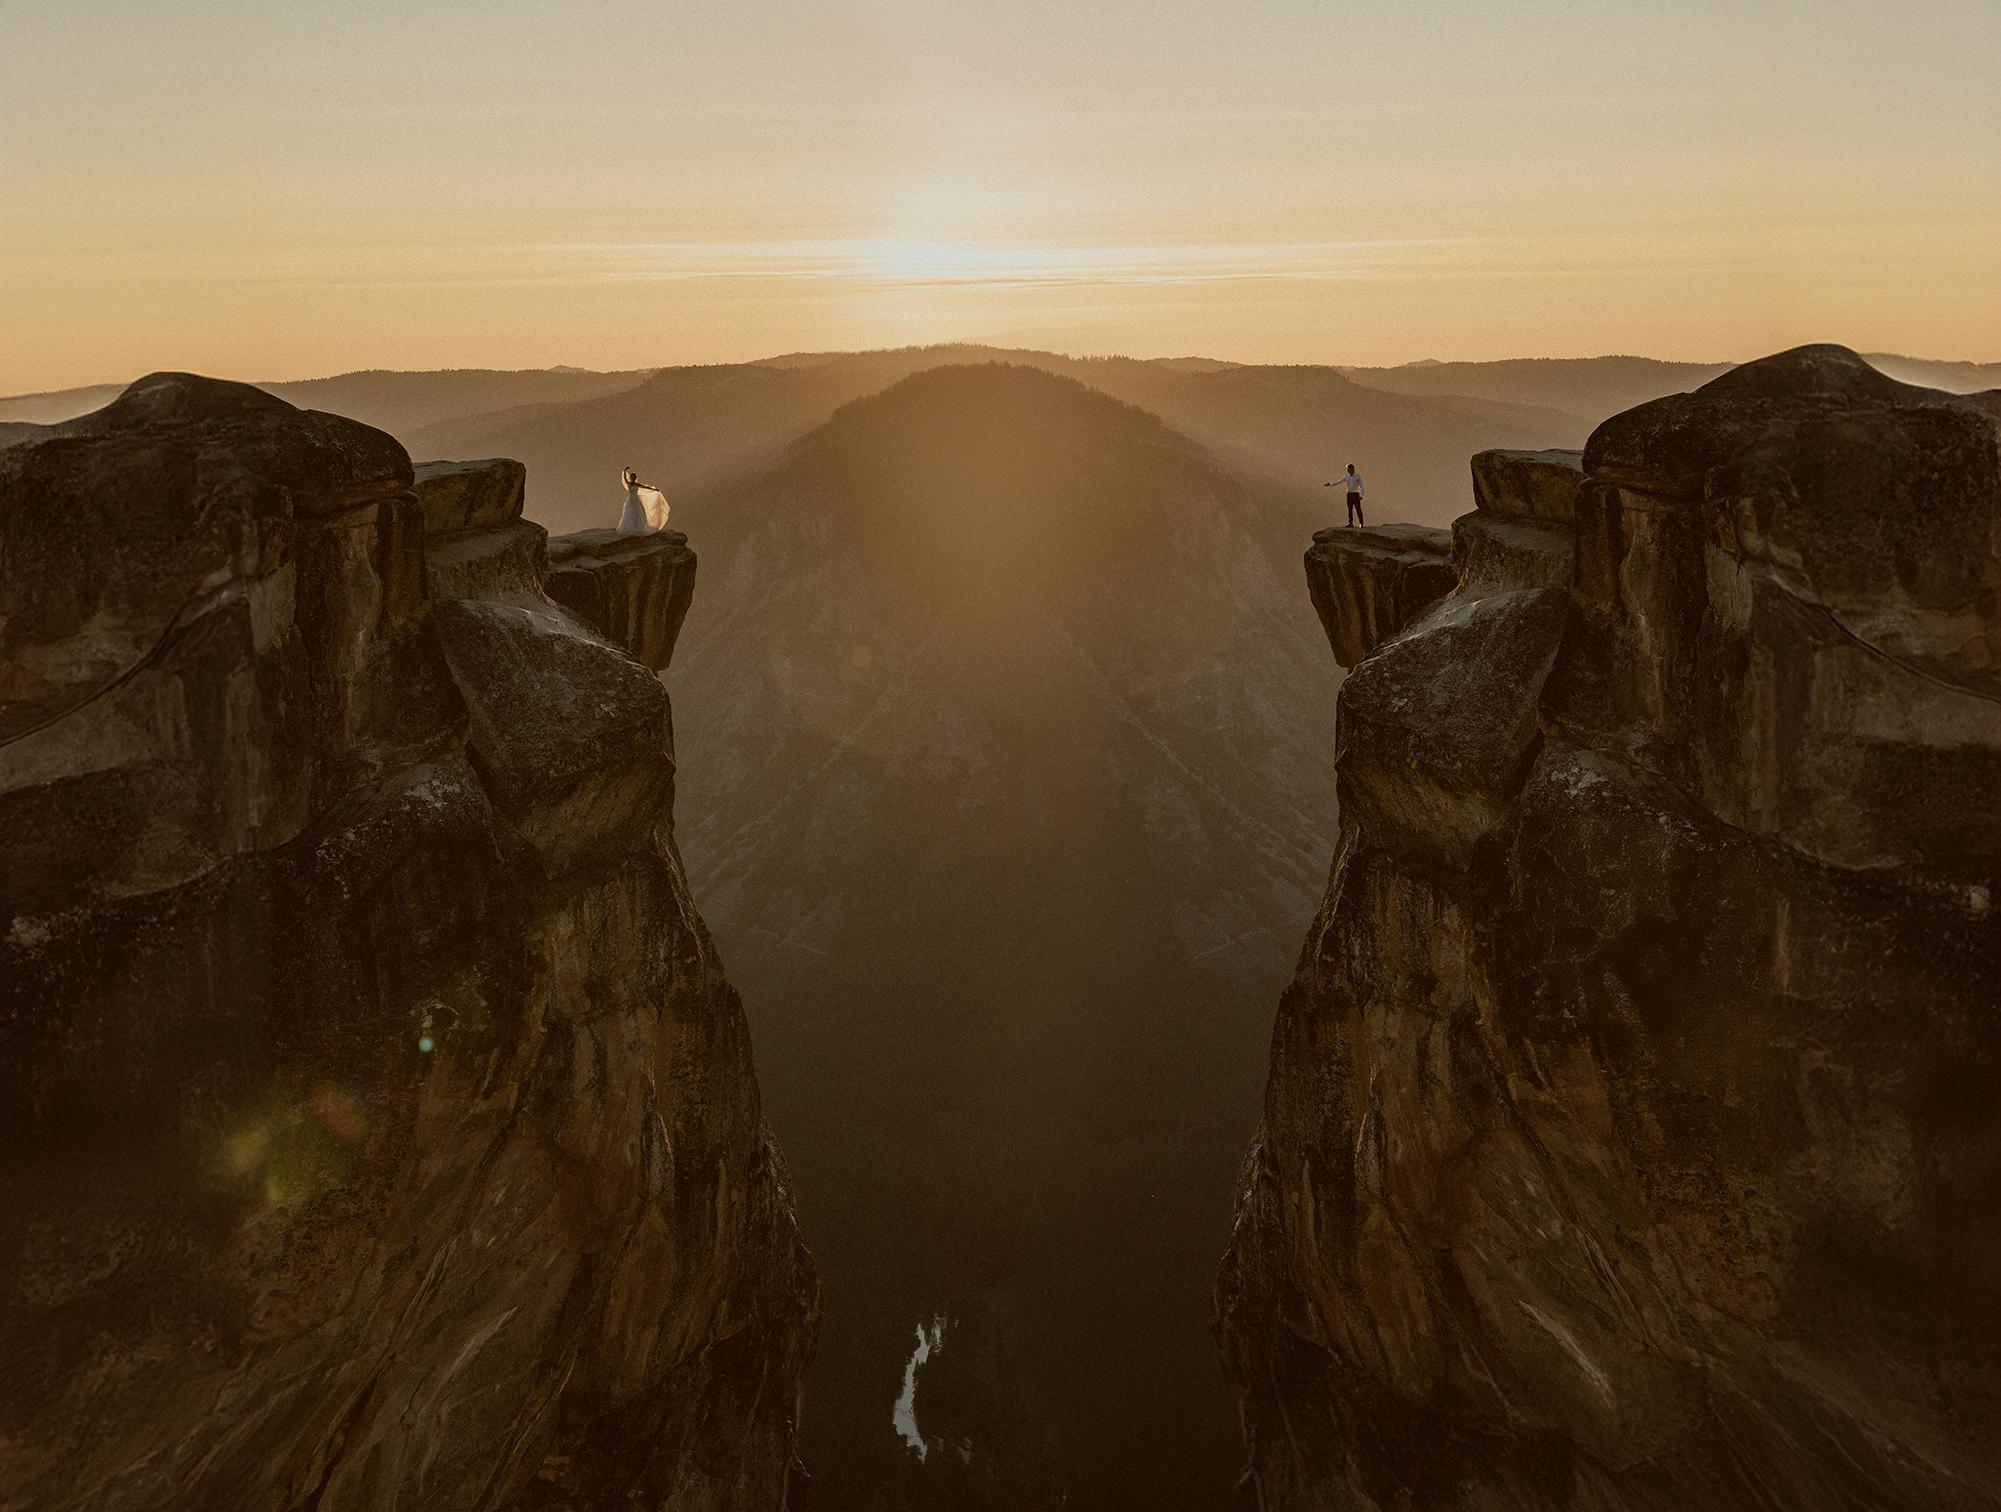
(380, 1130)
(1630, 1135)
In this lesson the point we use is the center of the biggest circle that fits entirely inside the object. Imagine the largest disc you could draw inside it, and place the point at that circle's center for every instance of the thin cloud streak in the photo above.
(931, 264)
(887, 264)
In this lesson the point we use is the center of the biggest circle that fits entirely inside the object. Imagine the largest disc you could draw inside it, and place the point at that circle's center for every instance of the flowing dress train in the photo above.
(645, 511)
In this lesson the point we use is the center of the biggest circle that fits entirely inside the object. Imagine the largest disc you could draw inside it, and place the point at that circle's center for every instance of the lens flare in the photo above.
(244, 1153)
(340, 1112)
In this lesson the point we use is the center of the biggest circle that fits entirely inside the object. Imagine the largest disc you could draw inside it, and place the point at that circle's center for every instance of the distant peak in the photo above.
(990, 380)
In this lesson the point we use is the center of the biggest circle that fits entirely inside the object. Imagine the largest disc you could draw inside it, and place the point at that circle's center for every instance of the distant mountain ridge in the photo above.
(1294, 427)
(411, 398)
(1586, 388)
(1593, 388)
(398, 402)
(391, 400)
(1409, 429)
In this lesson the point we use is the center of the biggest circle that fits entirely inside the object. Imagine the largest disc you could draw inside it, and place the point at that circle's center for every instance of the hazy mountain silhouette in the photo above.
(1592, 388)
(1295, 426)
(681, 428)
(397, 402)
(685, 428)
(57, 405)
(471, 407)
(1006, 786)
(1585, 388)
(1953, 377)
(1300, 426)
(402, 402)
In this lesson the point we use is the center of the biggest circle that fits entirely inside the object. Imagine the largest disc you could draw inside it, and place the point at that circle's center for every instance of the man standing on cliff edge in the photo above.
(1354, 482)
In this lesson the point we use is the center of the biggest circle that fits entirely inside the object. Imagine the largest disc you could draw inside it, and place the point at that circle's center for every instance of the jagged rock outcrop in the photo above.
(1629, 1137)
(1368, 583)
(380, 1130)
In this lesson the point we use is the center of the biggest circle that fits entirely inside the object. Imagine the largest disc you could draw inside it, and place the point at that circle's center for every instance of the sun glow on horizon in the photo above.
(629, 184)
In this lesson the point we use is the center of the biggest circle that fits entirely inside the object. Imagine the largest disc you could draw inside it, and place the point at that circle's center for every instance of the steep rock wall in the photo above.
(1629, 1141)
(380, 1130)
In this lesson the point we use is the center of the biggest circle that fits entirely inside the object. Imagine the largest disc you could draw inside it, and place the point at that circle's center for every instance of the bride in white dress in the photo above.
(645, 508)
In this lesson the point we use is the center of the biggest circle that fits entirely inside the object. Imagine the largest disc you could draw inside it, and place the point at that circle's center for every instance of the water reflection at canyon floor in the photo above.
(929, 1341)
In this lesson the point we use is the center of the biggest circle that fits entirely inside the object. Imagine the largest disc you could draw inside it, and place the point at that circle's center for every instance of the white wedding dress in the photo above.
(645, 511)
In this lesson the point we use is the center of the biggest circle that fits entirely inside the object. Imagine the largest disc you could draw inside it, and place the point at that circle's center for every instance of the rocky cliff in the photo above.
(380, 1130)
(1630, 1139)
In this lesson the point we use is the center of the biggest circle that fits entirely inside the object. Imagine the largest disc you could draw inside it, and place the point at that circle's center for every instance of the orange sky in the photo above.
(271, 191)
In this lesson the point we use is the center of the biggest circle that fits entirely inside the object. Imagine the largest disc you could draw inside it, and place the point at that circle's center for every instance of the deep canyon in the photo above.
(382, 1130)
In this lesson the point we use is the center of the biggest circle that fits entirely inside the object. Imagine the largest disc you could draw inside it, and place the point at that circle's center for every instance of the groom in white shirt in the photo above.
(1354, 485)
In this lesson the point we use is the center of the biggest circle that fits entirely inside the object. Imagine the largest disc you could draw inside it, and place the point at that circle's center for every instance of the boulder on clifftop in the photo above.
(470, 495)
(1528, 485)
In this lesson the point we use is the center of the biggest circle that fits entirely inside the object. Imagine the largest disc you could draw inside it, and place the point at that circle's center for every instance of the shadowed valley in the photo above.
(1002, 724)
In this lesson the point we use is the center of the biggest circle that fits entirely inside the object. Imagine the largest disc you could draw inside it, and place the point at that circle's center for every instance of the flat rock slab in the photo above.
(505, 564)
(1367, 583)
(470, 495)
(1498, 553)
(632, 589)
(1528, 485)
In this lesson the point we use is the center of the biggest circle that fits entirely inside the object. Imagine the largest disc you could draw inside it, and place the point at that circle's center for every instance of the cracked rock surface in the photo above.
(1629, 1135)
(379, 1128)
